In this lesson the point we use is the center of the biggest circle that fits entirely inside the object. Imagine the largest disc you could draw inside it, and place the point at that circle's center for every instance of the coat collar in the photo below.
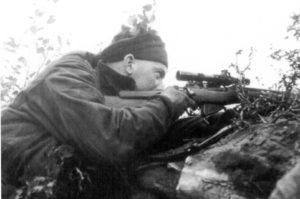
(111, 82)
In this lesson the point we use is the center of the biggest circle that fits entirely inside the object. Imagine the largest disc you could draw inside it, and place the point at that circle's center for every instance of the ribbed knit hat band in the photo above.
(145, 47)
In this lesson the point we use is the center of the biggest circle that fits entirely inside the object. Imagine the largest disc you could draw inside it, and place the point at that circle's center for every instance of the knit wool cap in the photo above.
(146, 46)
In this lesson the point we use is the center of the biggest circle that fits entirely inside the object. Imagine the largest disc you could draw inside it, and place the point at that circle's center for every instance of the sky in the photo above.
(200, 36)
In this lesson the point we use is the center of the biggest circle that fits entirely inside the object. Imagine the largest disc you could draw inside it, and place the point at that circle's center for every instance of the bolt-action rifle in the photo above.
(210, 92)
(204, 89)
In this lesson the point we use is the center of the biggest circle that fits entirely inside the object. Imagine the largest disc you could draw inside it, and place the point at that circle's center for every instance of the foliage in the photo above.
(285, 101)
(290, 80)
(39, 42)
(138, 23)
(294, 28)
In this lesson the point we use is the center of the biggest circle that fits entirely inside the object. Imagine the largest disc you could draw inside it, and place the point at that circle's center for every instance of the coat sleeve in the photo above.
(83, 120)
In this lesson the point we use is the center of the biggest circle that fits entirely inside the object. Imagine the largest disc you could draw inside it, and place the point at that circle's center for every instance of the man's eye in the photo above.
(160, 74)
(157, 75)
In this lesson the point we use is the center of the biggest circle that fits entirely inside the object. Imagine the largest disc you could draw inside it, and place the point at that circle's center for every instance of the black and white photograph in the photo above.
(150, 99)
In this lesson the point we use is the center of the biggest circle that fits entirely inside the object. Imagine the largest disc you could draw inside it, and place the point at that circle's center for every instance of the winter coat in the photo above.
(65, 104)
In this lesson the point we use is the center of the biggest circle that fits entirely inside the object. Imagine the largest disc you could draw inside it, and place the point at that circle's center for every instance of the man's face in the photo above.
(148, 75)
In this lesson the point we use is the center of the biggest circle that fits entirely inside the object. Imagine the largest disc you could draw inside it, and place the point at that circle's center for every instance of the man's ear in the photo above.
(128, 63)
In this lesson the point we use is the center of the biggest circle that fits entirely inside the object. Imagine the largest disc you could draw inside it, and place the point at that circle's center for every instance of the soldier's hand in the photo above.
(179, 99)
